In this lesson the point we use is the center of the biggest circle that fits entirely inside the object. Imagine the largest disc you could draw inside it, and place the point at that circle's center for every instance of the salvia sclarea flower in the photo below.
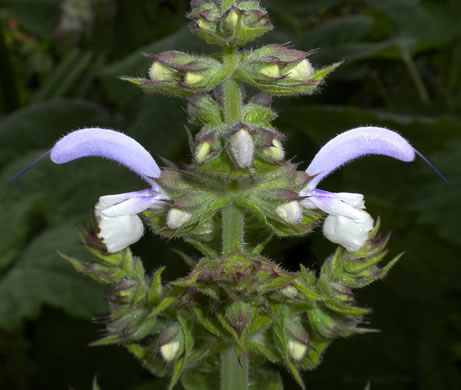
(116, 215)
(347, 223)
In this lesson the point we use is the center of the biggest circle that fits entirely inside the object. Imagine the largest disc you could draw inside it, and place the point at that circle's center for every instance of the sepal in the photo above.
(237, 25)
(278, 70)
(205, 110)
(175, 73)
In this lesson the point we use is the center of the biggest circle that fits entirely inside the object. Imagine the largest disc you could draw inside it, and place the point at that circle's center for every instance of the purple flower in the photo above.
(347, 223)
(119, 226)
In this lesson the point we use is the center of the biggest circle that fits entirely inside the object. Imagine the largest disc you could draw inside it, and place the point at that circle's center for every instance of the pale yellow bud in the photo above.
(302, 71)
(193, 78)
(160, 72)
(170, 351)
(230, 23)
(296, 349)
(274, 152)
(270, 70)
(204, 25)
(177, 218)
(202, 152)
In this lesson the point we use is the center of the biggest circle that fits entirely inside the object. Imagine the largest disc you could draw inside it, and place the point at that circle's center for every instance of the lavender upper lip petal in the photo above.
(355, 143)
(108, 144)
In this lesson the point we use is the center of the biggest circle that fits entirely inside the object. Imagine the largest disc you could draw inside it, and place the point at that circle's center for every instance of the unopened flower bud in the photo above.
(202, 152)
(290, 212)
(242, 148)
(289, 291)
(274, 152)
(301, 71)
(270, 70)
(170, 351)
(192, 78)
(177, 218)
(296, 349)
(231, 21)
(348, 232)
(160, 72)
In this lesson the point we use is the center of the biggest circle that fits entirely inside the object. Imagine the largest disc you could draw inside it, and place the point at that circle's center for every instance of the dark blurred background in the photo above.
(59, 62)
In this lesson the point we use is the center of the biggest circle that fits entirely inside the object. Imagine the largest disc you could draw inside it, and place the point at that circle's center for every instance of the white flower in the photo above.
(119, 226)
(348, 232)
(347, 223)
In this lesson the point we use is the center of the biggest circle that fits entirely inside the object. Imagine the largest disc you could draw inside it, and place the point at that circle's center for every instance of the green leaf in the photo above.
(307, 291)
(39, 17)
(177, 371)
(174, 294)
(207, 323)
(51, 120)
(95, 384)
(213, 207)
(18, 216)
(155, 290)
(195, 380)
(439, 204)
(40, 277)
(264, 379)
(64, 75)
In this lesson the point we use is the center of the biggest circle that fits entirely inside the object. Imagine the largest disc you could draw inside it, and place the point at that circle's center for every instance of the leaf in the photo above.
(40, 125)
(18, 217)
(177, 371)
(439, 204)
(95, 383)
(307, 291)
(65, 74)
(207, 323)
(40, 277)
(39, 17)
(264, 379)
(195, 380)
(155, 289)
(174, 294)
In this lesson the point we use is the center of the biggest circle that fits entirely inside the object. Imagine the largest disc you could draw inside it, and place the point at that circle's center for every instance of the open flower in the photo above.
(348, 224)
(119, 226)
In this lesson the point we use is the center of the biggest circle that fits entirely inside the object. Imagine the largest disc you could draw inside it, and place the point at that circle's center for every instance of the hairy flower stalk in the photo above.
(235, 306)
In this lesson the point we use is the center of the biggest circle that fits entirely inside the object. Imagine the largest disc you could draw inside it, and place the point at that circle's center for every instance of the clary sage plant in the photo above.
(236, 312)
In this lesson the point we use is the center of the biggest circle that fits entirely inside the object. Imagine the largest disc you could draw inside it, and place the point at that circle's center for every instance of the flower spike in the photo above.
(109, 144)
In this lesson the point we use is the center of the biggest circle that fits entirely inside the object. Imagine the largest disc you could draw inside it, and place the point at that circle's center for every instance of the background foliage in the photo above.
(59, 62)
